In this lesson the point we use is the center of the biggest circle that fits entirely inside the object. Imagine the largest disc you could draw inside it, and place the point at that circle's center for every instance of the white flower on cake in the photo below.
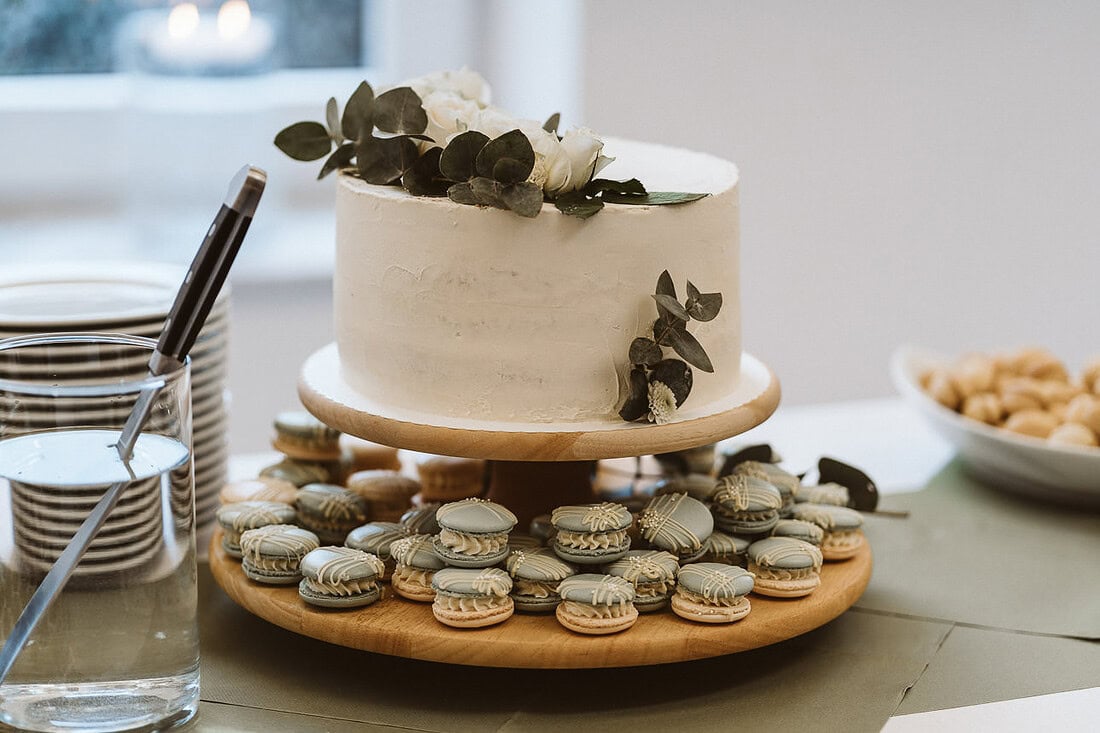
(662, 403)
(463, 83)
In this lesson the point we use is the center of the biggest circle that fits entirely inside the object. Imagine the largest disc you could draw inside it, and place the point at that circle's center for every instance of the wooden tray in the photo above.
(402, 628)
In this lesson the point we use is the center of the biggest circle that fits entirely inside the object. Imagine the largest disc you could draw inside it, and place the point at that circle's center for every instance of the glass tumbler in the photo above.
(119, 648)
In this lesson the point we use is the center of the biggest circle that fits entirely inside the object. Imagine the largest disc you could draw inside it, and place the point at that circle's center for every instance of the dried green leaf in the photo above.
(690, 349)
(664, 328)
(636, 405)
(385, 160)
(524, 198)
(632, 187)
(509, 171)
(340, 158)
(654, 198)
(457, 163)
(463, 193)
(400, 110)
(665, 285)
(552, 122)
(671, 305)
(332, 119)
(693, 292)
(424, 178)
(705, 306)
(356, 122)
(645, 351)
(488, 192)
(674, 374)
(577, 204)
(304, 141)
(514, 145)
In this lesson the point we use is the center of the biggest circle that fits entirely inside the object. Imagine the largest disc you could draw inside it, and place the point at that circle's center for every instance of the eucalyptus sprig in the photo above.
(588, 201)
(658, 385)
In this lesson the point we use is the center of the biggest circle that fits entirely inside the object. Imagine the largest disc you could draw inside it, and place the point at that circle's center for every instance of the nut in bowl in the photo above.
(1020, 422)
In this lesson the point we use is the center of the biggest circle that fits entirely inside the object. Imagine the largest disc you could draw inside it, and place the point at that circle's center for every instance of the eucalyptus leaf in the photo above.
(488, 192)
(577, 204)
(552, 122)
(385, 160)
(400, 110)
(665, 285)
(645, 351)
(693, 292)
(356, 122)
(514, 145)
(463, 193)
(524, 198)
(671, 305)
(654, 198)
(690, 349)
(632, 187)
(705, 306)
(457, 163)
(664, 328)
(637, 403)
(674, 374)
(424, 178)
(332, 119)
(340, 158)
(304, 141)
(509, 171)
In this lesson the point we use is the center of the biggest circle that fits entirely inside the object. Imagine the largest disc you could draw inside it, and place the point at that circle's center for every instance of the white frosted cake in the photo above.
(476, 313)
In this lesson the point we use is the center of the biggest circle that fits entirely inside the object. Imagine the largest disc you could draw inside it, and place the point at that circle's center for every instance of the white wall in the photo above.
(922, 172)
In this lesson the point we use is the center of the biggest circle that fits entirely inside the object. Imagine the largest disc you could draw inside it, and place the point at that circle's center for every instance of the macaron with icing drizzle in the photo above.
(473, 533)
(746, 505)
(340, 577)
(591, 534)
(800, 529)
(303, 437)
(784, 567)
(301, 473)
(330, 511)
(421, 519)
(677, 523)
(843, 528)
(258, 489)
(787, 483)
(653, 574)
(536, 573)
(827, 493)
(244, 515)
(727, 549)
(377, 538)
(417, 562)
(696, 485)
(273, 554)
(596, 604)
(470, 598)
(712, 593)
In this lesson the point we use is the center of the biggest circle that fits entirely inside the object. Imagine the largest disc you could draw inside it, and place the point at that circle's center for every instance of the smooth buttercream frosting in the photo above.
(477, 313)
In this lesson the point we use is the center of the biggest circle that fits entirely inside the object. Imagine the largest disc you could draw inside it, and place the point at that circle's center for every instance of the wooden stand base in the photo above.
(406, 629)
(530, 489)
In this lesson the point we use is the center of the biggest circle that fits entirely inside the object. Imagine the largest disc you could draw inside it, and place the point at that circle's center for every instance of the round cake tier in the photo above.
(326, 394)
(402, 628)
(478, 313)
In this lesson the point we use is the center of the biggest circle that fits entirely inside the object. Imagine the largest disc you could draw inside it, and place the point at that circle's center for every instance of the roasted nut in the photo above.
(983, 407)
(942, 389)
(1073, 433)
(1040, 364)
(1054, 391)
(1036, 423)
(1058, 409)
(1090, 375)
(1016, 401)
(974, 374)
(1027, 387)
(1085, 409)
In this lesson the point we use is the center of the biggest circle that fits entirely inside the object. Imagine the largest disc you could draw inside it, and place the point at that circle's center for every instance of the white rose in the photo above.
(465, 83)
(582, 148)
(493, 122)
(552, 168)
(448, 114)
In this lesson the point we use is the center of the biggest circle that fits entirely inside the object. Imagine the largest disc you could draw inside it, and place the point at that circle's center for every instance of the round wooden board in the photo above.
(324, 393)
(402, 628)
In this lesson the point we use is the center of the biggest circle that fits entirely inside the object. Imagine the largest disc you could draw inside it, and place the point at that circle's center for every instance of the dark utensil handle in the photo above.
(210, 267)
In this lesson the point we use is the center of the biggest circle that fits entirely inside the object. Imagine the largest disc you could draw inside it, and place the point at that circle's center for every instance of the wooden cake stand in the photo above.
(533, 470)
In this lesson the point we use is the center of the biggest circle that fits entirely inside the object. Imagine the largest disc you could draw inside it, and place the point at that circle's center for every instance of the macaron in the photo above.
(696, 485)
(518, 541)
(273, 554)
(377, 538)
(301, 473)
(843, 528)
(800, 529)
(746, 505)
(301, 436)
(542, 529)
(473, 533)
(653, 575)
(421, 519)
(363, 455)
(712, 593)
(447, 478)
(689, 460)
(262, 488)
(330, 511)
(535, 575)
(725, 548)
(788, 484)
(591, 534)
(468, 598)
(828, 493)
(596, 604)
(677, 523)
(417, 562)
(388, 494)
(236, 518)
(784, 567)
(340, 577)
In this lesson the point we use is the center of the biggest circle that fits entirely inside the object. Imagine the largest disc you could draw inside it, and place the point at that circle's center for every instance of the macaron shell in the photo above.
(461, 560)
(596, 626)
(598, 556)
(786, 588)
(412, 590)
(270, 577)
(474, 619)
(603, 517)
(531, 604)
(707, 614)
(475, 516)
(327, 601)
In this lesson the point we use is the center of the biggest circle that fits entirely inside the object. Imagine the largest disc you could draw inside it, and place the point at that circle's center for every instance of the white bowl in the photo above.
(1000, 458)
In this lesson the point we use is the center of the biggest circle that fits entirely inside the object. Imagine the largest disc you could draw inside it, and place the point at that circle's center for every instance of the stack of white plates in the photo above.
(119, 297)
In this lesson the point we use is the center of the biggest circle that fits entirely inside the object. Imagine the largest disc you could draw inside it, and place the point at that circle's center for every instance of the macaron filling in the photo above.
(592, 540)
(653, 590)
(842, 540)
(413, 576)
(473, 544)
(534, 588)
(710, 600)
(621, 609)
(771, 573)
(449, 602)
(341, 588)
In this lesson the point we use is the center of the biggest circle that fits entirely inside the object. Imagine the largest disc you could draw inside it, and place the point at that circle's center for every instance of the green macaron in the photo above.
(677, 523)
(330, 511)
(417, 561)
(273, 554)
(421, 519)
(244, 515)
(472, 597)
(828, 493)
(473, 533)
(376, 538)
(536, 573)
(843, 528)
(712, 593)
(727, 549)
(591, 534)
(784, 567)
(746, 505)
(653, 573)
(596, 604)
(340, 577)
(800, 529)
(696, 485)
